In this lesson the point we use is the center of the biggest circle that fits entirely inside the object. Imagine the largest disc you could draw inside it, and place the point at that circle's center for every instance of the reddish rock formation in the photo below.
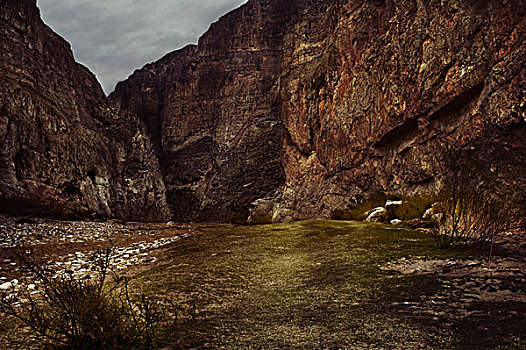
(65, 152)
(373, 87)
(352, 97)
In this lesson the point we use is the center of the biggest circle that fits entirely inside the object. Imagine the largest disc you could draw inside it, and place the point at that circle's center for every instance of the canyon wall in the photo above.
(65, 152)
(213, 111)
(373, 90)
(284, 109)
(314, 104)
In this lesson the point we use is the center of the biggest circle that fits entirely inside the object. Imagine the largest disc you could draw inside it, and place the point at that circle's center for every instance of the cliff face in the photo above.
(347, 97)
(373, 93)
(213, 113)
(297, 107)
(65, 152)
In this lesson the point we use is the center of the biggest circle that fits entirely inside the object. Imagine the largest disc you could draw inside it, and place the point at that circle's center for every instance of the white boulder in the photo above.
(377, 214)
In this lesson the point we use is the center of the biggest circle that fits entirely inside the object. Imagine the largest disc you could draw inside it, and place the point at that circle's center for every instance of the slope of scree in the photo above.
(313, 103)
(65, 152)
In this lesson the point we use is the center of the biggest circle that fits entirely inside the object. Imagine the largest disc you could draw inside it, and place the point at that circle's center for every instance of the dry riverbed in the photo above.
(307, 285)
(70, 244)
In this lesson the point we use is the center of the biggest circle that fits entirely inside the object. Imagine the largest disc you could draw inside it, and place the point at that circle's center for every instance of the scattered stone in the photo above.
(6, 286)
(396, 222)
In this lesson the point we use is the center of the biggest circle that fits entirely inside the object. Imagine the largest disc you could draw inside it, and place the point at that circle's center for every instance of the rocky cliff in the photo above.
(373, 89)
(312, 104)
(213, 111)
(288, 108)
(65, 152)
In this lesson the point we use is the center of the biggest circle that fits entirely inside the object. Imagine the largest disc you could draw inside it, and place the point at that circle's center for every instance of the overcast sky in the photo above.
(115, 37)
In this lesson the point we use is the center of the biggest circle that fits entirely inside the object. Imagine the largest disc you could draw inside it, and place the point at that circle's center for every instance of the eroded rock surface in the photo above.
(347, 97)
(306, 104)
(65, 152)
(372, 88)
(213, 112)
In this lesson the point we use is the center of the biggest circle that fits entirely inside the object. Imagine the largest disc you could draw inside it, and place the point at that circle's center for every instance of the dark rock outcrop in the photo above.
(65, 152)
(349, 97)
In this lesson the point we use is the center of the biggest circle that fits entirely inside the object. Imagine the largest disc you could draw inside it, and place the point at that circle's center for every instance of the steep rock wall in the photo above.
(314, 103)
(373, 94)
(65, 152)
(213, 112)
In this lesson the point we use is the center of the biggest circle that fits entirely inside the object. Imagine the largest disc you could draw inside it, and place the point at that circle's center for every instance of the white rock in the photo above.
(377, 214)
(428, 214)
(396, 222)
(6, 286)
(389, 203)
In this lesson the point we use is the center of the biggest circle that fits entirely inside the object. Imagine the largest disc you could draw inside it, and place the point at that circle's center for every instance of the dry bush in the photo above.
(474, 210)
(67, 312)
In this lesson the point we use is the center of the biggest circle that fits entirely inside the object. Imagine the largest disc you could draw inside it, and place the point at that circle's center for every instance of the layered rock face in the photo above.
(298, 107)
(213, 112)
(347, 97)
(65, 152)
(372, 95)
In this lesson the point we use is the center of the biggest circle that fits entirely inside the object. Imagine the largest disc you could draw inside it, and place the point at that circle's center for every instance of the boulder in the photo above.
(377, 214)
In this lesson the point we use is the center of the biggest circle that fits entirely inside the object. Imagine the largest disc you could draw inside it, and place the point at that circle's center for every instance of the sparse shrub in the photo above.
(472, 213)
(65, 312)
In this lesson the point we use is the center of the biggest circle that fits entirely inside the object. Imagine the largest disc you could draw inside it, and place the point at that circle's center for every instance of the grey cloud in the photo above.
(115, 37)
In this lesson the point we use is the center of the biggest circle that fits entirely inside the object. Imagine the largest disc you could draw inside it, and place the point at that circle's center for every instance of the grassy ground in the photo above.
(313, 284)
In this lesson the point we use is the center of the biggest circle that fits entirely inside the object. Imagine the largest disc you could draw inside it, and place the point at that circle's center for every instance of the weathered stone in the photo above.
(428, 213)
(320, 101)
(376, 215)
(65, 152)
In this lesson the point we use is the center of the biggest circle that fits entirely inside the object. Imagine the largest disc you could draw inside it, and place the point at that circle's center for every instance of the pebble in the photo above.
(6, 286)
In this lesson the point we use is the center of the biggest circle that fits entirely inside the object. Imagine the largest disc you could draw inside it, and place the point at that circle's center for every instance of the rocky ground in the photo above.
(472, 280)
(315, 284)
(69, 245)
